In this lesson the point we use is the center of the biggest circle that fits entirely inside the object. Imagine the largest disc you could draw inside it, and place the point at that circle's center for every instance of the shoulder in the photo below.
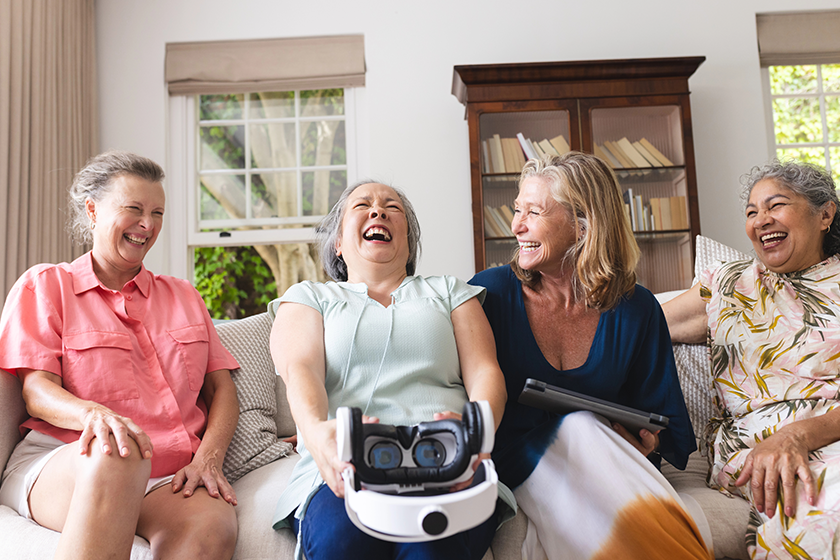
(638, 305)
(495, 279)
(45, 276)
(316, 294)
(448, 288)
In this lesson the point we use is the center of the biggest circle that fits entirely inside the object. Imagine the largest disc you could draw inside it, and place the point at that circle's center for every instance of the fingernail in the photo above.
(124, 451)
(148, 454)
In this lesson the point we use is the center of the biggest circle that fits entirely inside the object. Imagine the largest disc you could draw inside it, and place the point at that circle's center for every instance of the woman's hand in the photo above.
(204, 470)
(99, 422)
(320, 441)
(449, 415)
(646, 443)
(781, 457)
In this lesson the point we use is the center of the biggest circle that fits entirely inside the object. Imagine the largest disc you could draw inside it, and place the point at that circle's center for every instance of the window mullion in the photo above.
(298, 155)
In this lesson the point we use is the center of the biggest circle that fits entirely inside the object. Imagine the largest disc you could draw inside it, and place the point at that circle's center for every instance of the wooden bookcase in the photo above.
(592, 104)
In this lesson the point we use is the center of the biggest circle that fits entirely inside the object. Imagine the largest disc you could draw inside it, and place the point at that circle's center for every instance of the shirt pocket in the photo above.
(193, 344)
(98, 366)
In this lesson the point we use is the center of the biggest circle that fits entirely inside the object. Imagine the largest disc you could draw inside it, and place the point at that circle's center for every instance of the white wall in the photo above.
(418, 137)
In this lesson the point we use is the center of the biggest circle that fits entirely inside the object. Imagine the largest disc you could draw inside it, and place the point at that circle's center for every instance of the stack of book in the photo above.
(624, 154)
(497, 221)
(508, 155)
(658, 214)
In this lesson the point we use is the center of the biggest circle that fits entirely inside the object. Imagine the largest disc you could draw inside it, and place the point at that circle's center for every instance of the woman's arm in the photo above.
(686, 316)
(219, 394)
(783, 457)
(297, 347)
(47, 399)
(483, 379)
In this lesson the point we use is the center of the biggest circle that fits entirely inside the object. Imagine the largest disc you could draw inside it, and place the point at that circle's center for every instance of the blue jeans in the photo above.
(328, 534)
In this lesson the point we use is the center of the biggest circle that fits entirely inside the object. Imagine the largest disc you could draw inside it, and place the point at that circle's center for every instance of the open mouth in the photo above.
(772, 238)
(528, 246)
(377, 234)
(135, 240)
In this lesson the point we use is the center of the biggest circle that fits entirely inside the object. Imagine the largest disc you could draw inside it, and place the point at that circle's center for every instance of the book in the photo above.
(527, 147)
(665, 210)
(606, 156)
(679, 215)
(640, 213)
(487, 166)
(631, 203)
(652, 161)
(656, 213)
(507, 212)
(656, 153)
(618, 154)
(631, 153)
(504, 226)
(537, 149)
(491, 225)
(514, 156)
(496, 154)
(560, 144)
(547, 148)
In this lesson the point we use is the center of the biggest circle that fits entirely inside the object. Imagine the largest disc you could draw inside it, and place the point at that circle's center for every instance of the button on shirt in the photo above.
(142, 351)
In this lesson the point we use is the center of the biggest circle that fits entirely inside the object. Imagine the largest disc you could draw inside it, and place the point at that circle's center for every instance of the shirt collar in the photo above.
(84, 278)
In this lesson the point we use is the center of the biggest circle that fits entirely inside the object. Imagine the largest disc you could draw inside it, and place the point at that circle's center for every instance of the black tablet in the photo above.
(556, 399)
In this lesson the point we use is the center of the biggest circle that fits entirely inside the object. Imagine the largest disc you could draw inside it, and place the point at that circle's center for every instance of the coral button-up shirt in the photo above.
(142, 351)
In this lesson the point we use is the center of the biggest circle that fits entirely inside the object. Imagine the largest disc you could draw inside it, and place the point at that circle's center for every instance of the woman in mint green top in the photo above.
(402, 348)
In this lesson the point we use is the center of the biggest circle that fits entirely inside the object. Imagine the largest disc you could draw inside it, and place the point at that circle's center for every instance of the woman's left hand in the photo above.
(448, 415)
(646, 443)
(781, 457)
(204, 470)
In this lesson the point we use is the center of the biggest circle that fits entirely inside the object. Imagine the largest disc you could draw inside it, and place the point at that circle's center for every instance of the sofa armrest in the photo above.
(12, 416)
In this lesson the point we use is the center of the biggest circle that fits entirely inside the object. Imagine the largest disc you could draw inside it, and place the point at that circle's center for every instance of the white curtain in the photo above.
(48, 126)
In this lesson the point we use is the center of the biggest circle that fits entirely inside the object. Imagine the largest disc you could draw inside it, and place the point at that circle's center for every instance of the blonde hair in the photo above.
(606, 254)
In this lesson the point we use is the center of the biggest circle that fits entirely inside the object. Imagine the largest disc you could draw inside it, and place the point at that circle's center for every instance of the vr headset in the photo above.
(399, 490)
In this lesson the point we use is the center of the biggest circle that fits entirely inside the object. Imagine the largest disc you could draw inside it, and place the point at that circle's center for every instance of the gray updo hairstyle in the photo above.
(329, 230)
(810, 181)
(94, 182)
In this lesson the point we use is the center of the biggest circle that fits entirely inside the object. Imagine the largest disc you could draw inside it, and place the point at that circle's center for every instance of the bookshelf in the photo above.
(633, 113)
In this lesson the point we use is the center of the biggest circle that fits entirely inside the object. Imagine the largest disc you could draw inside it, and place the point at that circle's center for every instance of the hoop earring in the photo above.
(92, 224)
(828, 229)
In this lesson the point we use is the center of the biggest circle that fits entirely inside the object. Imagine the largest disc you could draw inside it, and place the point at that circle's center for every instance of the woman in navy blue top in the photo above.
(567, 311)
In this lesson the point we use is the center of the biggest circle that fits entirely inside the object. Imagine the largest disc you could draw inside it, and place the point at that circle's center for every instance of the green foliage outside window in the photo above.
(234, 281)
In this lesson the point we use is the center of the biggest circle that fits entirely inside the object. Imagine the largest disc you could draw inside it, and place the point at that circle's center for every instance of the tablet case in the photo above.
(562, 401)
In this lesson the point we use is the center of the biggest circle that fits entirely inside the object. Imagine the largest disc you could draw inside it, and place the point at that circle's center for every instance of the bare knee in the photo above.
(111, 470)
(202, 532)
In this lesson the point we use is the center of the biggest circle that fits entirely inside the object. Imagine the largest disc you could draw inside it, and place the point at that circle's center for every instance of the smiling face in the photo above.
(127, 222)
(374, 232)
(785, 231)
(544, 228)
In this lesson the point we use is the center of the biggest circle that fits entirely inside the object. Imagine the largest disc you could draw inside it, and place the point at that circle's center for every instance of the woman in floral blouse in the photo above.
(774, 329)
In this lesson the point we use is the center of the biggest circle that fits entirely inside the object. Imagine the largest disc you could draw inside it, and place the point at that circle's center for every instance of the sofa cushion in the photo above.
(255, 442)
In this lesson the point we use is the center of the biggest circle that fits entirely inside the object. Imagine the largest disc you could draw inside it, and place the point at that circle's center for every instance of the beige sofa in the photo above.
(256, 461)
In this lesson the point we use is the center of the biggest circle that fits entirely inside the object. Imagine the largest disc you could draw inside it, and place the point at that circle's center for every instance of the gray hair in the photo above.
(329, 231)
(94, 182)
(810, 181)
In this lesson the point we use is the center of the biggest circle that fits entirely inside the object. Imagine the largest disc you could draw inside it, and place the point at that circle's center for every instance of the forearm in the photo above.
(815, 432)
(488, 385)
(222, 415)
(686, 317)
(47, 400)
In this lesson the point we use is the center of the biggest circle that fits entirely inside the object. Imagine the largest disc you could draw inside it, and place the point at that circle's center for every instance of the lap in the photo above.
(165, 512)
(326, 532)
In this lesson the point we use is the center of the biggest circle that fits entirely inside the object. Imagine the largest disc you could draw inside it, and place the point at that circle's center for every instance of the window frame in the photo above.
(182, 185)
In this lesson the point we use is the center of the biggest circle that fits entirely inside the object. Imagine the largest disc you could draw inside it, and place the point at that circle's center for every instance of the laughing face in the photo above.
(785, 231)
(127, 222)
(543, 227)
(374, 231)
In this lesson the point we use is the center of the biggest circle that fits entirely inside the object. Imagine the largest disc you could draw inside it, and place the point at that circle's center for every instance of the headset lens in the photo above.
(429, 453)
(385, 455)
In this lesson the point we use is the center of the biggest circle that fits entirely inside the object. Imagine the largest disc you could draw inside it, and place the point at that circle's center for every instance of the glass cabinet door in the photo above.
(507, 141)
(644, 146)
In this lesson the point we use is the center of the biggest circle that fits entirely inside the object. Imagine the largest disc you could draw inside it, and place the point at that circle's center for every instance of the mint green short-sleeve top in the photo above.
(398, 363)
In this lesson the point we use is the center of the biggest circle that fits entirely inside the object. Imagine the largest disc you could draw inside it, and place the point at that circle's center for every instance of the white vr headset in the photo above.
(399, 491)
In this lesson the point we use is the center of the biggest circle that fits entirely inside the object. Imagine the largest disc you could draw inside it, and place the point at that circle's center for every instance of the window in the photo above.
(805, 109)
(267, 167)
(263, 138)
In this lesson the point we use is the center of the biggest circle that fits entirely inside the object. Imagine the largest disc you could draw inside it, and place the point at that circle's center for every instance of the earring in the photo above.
(828, 230)
(92, 224)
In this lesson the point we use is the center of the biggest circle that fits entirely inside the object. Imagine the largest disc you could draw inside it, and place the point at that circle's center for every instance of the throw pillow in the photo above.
(693, 362)
(255, 442)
